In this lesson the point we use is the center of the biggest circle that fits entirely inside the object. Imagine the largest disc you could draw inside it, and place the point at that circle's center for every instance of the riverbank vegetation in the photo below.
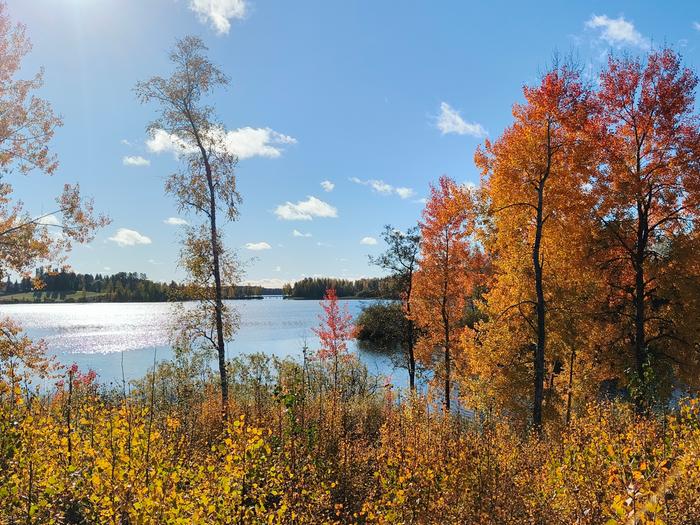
(307, 443)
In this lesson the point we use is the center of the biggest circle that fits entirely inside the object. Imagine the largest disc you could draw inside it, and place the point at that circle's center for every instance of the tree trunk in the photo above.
(639, 321)
(410, 336)
(570, 390)
(540, 311)
(411, 358)
(448, 363)
(640, 350)
(216, 270)
(639, 343)
(218, 308)
(410, 339)
(446, 324)
(447, 378)
(539, 292)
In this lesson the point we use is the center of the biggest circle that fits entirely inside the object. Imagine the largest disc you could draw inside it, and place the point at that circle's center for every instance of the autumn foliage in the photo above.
(158, 455)
(554, 310)
(27, 125)
(589, 207)
(335, 328)
(448, 273)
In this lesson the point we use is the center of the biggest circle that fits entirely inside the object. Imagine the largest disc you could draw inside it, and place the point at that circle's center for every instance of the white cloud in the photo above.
(175, 221)
(267, 283)
(405, 193)
(49, 220)
(305, 210)
(297, 233)
(278, 268)
(618, 31)
(256, 142)
(244, 142)
(161, 141)
(381, 187)
(327, 185)
(125, 142)
(135, 160)
(384, 188)
(369, 241)
(450, 121)
(696, 26)
(257, 246)
(218, 13)
(56, 230)
(126, 237)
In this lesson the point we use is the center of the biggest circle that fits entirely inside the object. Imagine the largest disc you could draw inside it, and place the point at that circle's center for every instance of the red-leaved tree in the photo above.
(334, 331)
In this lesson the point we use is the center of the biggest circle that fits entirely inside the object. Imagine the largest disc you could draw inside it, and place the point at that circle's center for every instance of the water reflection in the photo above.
(110, 336)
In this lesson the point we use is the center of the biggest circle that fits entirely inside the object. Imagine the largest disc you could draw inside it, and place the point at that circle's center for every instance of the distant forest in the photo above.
(315, 287)
(62, 286)
(120, 287)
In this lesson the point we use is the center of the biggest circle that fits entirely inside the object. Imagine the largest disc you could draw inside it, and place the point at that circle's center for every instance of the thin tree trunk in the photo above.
(640, 350)
(541, 332)
(448, 365)
(411, 358)
(446, 323)
(570, 390)
(411, 337)
(639, 320)
(540, 307)
(216, 270)
(218, 304)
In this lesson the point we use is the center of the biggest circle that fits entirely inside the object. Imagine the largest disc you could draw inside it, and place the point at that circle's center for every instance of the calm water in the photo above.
(98, 335)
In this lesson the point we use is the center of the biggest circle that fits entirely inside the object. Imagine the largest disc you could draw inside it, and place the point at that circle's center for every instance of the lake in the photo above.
(100, 335)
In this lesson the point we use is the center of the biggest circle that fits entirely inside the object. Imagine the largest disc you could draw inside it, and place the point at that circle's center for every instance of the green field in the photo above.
(50, 297)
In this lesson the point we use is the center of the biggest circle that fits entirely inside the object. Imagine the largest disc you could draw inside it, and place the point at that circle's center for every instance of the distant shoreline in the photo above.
(93, 297)
(344, 298)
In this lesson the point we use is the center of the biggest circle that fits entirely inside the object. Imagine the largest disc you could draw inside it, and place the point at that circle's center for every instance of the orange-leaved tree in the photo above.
(535, 178)
(647, 192)
(27, 125)
(450, 265)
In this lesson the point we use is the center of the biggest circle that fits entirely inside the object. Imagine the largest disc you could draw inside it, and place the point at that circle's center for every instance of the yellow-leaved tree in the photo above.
(537, 201)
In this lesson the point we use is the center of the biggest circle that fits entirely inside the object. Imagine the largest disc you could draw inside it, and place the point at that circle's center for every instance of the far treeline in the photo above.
(63, 286)
(315, 288)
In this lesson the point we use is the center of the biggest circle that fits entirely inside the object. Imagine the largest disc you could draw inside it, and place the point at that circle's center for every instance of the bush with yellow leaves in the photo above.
(300, 453)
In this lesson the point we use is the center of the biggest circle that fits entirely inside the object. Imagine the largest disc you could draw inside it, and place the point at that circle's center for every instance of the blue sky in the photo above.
(376, 98)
